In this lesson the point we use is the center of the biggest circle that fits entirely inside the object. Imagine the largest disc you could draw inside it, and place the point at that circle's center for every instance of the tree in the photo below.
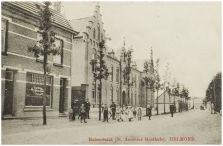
(184, 95)
(147, 81)
(175, 91)
(213, 92)
(46, 45)
(157, 84)
(166, 73)
(101, 70)
(127, 70)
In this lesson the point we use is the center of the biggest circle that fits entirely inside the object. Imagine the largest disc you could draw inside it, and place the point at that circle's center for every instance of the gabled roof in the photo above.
(30, 7)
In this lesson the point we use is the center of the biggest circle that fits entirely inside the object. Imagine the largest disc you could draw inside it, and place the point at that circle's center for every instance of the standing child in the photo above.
(130, 113)
(118, 113)
(139, 113)
(83, 113)
(105, 111)
(134, 112)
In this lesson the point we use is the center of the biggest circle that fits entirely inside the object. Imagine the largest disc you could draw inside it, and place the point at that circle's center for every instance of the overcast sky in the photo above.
(187, 35)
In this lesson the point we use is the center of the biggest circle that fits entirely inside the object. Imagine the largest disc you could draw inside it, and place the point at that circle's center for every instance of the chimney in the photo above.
(57, 6)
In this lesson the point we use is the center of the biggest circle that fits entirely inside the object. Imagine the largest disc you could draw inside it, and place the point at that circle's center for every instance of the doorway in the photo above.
(123, 98)
(62, 90)
(9, 89)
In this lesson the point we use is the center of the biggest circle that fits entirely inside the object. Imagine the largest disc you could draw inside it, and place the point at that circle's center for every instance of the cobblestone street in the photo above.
(195, 126)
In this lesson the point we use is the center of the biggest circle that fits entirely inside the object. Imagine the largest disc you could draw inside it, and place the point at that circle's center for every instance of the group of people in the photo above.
(80, 111)
(126, 112)
(116, 112)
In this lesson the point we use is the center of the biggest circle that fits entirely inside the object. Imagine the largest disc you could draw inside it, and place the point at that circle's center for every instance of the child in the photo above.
(105, 111)
(130, 114)
(118, 114)
(122, 114)
(134, 112)
(139, 113)
(83, 113)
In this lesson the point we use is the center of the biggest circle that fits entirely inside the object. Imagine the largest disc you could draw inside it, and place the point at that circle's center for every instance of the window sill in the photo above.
(40, 61)
(36, 109)
(56, 64)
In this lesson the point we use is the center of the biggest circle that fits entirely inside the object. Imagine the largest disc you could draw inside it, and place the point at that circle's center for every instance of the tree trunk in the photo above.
(44, 92)
(100, 102)
(146, 103)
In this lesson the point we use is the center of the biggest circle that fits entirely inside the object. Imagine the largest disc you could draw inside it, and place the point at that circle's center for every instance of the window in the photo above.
(35, 89)
(39, 37)
(94, 58)
(57, 59)
(111, 73)
(117, 75)
(111, 93)
(135, 80)
(93, 93)
(102, 37)
(94, 33)
(117, 93)
(4, 34)
(98, 33)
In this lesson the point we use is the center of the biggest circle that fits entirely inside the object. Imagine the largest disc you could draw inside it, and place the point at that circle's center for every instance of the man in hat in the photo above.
(87, 106)
(149, 108)
(172, 108)
(75, 108)
(113, 109)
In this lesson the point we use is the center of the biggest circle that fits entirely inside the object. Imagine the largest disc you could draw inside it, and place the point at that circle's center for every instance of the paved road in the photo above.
(193, 127)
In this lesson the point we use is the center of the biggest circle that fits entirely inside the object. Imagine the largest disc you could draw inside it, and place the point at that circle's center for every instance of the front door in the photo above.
(123, 98)
(9, 88)
(61, 104)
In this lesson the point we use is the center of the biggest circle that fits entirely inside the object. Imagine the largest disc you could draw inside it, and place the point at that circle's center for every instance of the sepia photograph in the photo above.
(111, 73)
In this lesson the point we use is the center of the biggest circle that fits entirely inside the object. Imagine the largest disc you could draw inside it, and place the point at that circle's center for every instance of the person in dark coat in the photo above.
(113, 109)
(83, 113)
(172, 110)
(75, 107)
(105, 112)
(149, 108)
(87, 105)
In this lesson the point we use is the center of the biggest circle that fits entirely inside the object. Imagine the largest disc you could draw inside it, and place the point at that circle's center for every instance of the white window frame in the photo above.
(57, 59)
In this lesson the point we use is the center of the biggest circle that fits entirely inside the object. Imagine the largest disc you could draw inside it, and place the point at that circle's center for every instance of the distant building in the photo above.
(22, 73)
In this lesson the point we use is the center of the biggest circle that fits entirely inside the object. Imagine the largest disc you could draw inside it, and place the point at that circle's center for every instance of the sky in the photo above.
(185, 35)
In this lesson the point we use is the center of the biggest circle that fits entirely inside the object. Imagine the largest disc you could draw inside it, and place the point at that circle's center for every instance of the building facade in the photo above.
(85, 48)
(22, 73)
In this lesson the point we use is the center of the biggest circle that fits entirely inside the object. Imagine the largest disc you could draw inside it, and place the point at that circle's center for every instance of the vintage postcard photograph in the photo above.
(111, 73)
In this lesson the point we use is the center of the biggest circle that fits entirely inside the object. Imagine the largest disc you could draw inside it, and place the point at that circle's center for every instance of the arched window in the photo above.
(117, 75)
(94, 54)
(98, 33)
(94, 33)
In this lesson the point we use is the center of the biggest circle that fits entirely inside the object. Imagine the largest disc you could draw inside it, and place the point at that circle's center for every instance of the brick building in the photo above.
(22, 73)
(85, 49)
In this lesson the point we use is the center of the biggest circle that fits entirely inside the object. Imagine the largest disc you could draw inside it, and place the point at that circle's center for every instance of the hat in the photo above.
(76, 100)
